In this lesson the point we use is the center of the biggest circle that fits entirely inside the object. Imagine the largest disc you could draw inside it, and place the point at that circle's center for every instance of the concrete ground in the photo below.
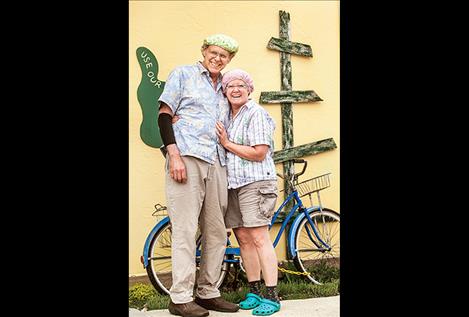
(311, 307)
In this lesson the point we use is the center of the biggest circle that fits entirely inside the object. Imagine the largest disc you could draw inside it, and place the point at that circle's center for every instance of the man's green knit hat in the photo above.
(222, 40)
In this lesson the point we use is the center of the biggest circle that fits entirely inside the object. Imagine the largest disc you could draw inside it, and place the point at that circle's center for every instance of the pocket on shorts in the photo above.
(268, 200)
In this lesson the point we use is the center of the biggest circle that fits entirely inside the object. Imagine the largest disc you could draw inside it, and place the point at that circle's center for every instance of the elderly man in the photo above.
(196, 183)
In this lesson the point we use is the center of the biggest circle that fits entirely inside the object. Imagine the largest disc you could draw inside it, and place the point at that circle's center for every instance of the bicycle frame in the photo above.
(304, 213)
(298, 204)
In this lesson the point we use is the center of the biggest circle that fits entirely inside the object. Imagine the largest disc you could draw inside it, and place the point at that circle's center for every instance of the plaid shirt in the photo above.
(251, 126)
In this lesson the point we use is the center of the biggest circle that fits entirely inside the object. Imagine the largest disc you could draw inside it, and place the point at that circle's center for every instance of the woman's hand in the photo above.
(255, 153)
(221, 133)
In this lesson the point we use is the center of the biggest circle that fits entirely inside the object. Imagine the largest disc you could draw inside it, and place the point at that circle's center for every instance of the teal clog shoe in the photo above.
(252, 301)
(266, 308)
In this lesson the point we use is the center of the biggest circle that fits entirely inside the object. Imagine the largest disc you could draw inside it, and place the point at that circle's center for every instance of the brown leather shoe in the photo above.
(190, 309)
(218, 304)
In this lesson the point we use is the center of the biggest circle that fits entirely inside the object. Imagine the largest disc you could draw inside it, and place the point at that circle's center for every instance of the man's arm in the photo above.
(177, 168)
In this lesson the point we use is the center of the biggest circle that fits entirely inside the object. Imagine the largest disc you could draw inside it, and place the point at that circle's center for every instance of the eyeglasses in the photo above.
(236, 86)
(214, 54)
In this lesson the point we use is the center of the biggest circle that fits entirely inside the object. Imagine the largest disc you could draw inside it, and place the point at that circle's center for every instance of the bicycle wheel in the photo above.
(159, 267)
(312, 256)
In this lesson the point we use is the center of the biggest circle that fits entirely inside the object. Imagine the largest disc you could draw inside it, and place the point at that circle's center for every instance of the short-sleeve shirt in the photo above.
(189, 93)
(251, 126)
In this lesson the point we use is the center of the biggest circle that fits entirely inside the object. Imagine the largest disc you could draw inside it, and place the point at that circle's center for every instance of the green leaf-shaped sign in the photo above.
(148, 92)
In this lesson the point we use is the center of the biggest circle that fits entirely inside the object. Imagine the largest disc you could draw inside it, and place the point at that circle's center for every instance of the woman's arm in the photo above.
(253, 153)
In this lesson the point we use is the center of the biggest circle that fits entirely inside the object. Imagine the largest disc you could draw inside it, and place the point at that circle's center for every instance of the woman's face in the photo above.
(215, 59)
(237, 92)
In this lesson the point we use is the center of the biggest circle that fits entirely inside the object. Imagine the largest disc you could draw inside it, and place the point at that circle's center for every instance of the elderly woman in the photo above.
(252, 188)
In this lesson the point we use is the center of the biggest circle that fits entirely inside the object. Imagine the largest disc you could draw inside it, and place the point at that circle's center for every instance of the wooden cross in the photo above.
(286, 96)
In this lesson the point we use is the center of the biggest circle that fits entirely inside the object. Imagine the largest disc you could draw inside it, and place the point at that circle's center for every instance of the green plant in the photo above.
(300, 290)
(325, 272)
(139, 295)
(235, 296)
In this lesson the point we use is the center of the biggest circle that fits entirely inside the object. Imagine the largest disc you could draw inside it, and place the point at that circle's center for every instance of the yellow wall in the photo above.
(174, 31)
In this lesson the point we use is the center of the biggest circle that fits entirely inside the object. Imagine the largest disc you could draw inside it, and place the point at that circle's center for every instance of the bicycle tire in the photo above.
(159, 268)
(311, 257)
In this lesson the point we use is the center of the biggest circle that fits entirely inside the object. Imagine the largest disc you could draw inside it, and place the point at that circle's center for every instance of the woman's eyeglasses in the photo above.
(236, 86)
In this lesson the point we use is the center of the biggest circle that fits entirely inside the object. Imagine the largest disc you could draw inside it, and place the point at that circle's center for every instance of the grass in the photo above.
(235, 288)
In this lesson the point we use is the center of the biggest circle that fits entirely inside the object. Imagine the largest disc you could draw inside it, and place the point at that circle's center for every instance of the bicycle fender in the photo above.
(294, 228)
(146, 248)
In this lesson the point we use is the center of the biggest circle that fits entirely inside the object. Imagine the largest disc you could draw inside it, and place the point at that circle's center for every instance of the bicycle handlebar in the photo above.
(297, 161)
(158, 207)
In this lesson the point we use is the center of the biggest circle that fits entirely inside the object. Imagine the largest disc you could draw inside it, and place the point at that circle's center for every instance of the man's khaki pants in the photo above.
(202, 199)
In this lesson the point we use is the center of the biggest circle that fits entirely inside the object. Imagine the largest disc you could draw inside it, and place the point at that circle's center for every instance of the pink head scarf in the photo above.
(237, 74)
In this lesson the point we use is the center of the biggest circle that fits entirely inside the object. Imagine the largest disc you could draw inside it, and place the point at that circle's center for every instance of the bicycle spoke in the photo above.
(312, 256)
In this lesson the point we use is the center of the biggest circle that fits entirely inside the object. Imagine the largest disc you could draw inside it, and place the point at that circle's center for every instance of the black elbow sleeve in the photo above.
(166, 128)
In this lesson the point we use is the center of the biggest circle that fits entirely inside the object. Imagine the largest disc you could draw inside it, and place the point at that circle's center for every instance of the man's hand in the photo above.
(177, 168)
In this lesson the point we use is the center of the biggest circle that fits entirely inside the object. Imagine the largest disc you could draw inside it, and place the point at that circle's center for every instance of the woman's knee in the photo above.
(259, 237)
(254, 237)
(259, 241)
(243, 236)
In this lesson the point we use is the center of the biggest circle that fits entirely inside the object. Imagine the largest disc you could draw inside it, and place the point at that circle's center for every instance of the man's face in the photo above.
(215, 59)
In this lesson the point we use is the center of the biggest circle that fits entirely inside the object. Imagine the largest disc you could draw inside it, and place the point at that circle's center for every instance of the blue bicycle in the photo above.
(313, 237)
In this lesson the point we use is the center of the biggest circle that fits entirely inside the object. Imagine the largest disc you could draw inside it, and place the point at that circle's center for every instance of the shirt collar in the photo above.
(203, 70)
(249, 104)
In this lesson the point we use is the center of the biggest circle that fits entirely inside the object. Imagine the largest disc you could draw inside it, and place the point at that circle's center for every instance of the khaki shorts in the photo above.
(252, 205)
